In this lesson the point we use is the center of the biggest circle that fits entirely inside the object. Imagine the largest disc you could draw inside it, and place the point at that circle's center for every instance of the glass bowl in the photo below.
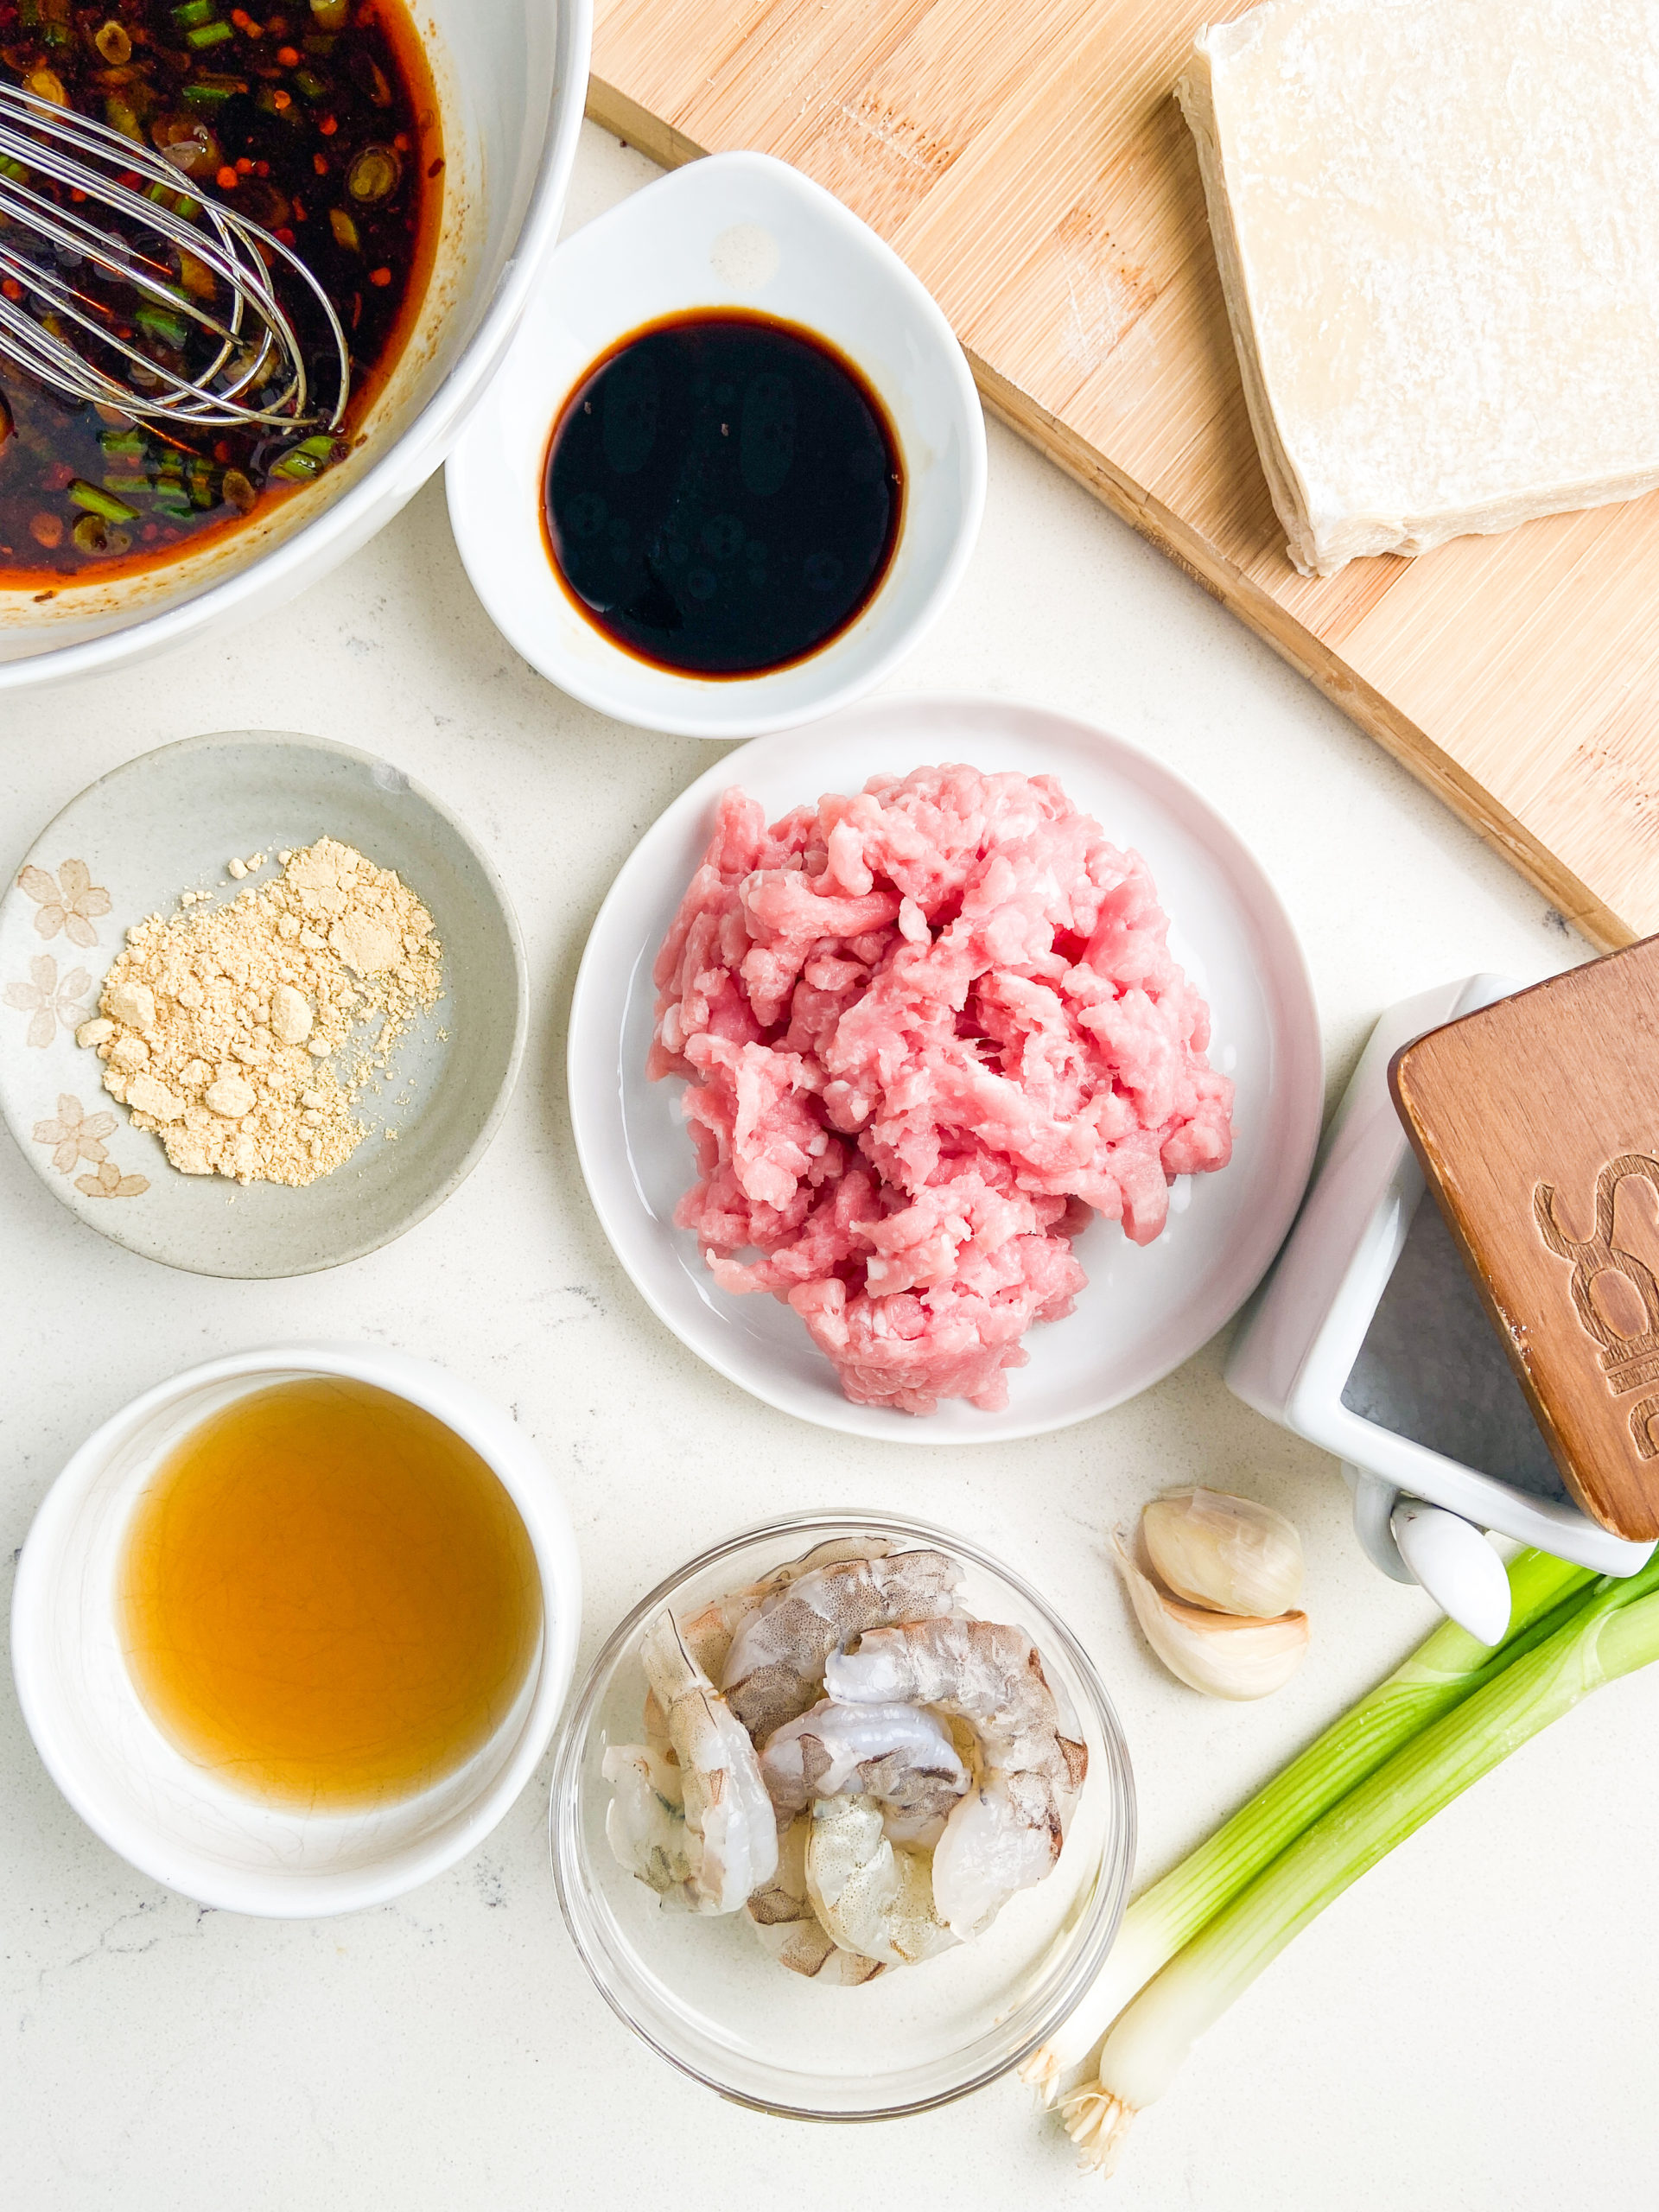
(702, 1992)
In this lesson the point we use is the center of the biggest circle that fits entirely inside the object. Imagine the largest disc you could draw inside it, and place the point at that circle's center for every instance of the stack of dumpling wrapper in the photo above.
(1437, 223)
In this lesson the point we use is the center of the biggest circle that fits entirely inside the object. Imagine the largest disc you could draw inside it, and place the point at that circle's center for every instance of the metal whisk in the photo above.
(251, 369)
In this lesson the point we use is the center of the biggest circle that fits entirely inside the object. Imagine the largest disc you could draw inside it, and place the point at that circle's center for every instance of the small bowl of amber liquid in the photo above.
(292, 1630)
(734, 464)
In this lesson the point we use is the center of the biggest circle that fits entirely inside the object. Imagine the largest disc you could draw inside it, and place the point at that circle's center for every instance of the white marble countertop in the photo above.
(447, 2052)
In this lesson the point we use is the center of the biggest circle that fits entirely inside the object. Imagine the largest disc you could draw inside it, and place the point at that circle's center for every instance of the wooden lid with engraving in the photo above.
(1537, 1123)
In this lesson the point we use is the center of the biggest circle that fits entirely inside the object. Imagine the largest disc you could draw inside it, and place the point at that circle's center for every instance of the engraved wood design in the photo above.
(1028, 160)
(1537, 1123)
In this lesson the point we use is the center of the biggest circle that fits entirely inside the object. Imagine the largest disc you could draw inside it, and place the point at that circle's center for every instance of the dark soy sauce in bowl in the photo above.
(722, 493)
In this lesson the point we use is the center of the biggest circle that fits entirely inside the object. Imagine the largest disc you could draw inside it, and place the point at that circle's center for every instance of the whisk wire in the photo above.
(258, 375)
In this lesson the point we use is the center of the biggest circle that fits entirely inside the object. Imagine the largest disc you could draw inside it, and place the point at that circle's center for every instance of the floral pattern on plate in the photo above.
(68, 901)
(74, 1134)
(49, 999)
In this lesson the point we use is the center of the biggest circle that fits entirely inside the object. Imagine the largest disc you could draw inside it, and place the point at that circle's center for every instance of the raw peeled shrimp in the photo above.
(709, 1632)
(1006, 1834)
(899, 1755)
(791, 1931)
(644, 1821)
(728, 1836)
(872, 1895)
(774, 1669)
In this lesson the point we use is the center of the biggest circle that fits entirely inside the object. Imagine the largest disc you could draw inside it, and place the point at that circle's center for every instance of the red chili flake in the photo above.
(58, 477)
(222, 453)
(76, 195)
(286, 237)
(227, 179)
(241, 18)
(319, 164)
(281, 100)
(150, 531)
(328, 126)
(401, 142)
(288, 56)
(129, 178)
(262, 168)
(299, 209)
(381, 277)
(11, 288)
(243, 166)
(436, 168)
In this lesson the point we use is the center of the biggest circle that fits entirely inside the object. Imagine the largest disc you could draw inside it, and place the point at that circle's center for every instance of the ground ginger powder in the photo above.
(229, 1029)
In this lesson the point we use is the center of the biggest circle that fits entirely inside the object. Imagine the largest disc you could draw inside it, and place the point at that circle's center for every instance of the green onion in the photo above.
(193, 12)
(172, 329)
(1613, 1631)
(1437, 1676)
(305, 462)
(213, 92)
(208, 34)
(309, 82)
(99, 502)
(331, 15)
(121, 445)
(120, 481)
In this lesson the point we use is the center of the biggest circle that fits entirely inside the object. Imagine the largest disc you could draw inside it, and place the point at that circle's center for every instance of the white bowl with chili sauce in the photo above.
(509, 78)
(735, 234)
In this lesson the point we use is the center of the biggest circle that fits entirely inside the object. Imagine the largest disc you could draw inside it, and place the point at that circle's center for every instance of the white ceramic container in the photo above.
(735, 230)
(1368, 1339)
(1146, 1309)
(183, 1826)
(510, 76)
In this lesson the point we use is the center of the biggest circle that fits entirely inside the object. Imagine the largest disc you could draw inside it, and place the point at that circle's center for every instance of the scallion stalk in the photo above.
(1441, 1671)
(1612, 1633)
(97, 501)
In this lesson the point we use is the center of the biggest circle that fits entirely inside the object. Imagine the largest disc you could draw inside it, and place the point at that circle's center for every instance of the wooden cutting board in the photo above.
(1027, 159)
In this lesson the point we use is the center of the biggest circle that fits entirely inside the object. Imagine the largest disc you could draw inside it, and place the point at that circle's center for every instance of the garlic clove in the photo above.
(1224, 1654)
(1227, 1552)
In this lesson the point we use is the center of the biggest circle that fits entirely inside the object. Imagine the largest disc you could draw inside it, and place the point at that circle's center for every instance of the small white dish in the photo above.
(1145, 1310)
(180, 1824)
(734, 230)
(170, 820)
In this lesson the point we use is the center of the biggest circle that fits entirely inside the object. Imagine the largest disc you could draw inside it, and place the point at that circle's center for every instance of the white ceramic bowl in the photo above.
(129, 1783)
(1145, 1309)
(510, 76)
(735, 230)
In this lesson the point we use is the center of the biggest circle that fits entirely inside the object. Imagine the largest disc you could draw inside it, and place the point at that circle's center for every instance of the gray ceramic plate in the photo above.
(169, 822)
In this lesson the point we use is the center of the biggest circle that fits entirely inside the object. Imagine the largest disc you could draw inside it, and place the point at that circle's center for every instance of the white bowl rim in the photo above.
(492, 875)
(837, 1522)
(1310, 1108)
(702, 717)
(411, 457)
(516, 1464)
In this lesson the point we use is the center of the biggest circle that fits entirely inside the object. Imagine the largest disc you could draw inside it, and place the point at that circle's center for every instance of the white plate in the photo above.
(1146, 1309)
(735, 230)
(169, 821)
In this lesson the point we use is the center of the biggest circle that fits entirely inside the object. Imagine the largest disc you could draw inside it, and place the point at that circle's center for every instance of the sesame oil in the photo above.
(327, 1598)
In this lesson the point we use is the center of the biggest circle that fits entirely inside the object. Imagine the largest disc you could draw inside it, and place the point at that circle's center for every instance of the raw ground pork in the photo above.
(923, 1030)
